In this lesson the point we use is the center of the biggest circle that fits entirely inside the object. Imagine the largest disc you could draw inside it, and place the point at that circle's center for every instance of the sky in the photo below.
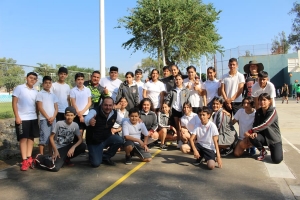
(67, 32)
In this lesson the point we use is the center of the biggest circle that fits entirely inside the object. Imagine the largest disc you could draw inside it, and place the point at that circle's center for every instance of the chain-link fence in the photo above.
(220, 60)
(15, 74)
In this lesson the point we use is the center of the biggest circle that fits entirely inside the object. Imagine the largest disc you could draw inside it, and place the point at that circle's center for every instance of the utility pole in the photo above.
(102, 39)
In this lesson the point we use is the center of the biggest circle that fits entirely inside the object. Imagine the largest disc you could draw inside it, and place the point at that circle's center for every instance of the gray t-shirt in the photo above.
(64, 133)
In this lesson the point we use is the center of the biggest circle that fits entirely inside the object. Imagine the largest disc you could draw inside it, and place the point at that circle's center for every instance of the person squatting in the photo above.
(132, 116)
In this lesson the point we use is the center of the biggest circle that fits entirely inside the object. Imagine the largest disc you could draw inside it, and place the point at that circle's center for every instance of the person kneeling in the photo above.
(61, 141)
(132, 131)
(206, 146)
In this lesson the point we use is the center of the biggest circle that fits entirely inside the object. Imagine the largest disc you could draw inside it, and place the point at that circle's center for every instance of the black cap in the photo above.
(70, 109)
(113, 69)
(62, 70)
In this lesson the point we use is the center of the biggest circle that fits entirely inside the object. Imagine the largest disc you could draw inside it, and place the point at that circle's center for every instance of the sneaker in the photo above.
(262, 154)
(128, 160)
(198, 161)
(108, 161)
(163, 147)
(24, 165)
(226, 152)
(69, 163)
(30, 162)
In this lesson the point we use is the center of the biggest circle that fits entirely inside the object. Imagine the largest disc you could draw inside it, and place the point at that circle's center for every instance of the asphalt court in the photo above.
(170, 175)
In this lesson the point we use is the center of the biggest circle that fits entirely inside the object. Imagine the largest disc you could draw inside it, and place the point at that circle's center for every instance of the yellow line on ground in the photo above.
(123, 178)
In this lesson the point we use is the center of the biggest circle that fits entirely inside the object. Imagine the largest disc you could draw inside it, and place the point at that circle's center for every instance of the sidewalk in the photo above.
(170, 175)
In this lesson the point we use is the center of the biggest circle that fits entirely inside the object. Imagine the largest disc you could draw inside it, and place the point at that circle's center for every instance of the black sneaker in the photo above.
(163, 147)
(198, 161)
(128, 160)
(226, 152)
(108, 161)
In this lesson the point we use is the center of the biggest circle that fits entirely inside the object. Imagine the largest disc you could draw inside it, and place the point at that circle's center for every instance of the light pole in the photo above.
(102, 39)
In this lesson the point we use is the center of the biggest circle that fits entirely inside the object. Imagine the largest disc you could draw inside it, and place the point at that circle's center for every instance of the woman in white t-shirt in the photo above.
(188, 122)
(194, 85)
(211, 87)
(154, 90)
(245, 117)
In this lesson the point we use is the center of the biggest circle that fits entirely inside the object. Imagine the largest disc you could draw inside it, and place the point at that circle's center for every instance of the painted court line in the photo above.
(123, 178)
(291, 144)
(280, 170)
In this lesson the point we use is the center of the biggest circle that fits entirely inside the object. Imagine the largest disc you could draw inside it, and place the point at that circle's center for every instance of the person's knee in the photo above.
(118, 139)
(277, 160)
(95, 163)
(211, 164)
(147, 159)
(185, 148)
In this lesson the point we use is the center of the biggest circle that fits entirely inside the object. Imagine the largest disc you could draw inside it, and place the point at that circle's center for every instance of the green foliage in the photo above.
(280, 44)
(12, 74)
(294, 37)
(6, 110)
(148, 64)
(188, 29)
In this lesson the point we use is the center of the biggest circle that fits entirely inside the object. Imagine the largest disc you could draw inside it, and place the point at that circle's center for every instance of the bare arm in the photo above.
(144, 93)
(15, 109)
(204, 93)
(239, 92)
(215, 139)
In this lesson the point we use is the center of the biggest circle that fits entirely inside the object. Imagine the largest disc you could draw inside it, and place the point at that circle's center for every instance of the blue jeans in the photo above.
(96, 155)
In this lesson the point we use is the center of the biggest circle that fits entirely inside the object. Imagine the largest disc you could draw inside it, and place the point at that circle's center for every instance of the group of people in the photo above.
(132, 115)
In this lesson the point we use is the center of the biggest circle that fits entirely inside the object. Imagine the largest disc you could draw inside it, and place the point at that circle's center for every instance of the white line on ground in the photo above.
(280, 170)
(291, 144)
(296, 190)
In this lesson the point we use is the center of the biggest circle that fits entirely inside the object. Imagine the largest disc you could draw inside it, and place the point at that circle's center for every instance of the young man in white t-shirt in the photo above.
(112, 83)
(81, 99)
(138, 81)
(62, 91)
(206, 146)
(24, 108)
(47, 105)
(232, 86)
(132, 130)
(263, 86)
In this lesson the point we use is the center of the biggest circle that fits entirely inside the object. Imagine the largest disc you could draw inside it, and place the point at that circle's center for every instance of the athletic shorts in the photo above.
(80, 124)
(28, 129)
(137, 150)
(206, 153)
(45, 131)
(60, 116)
(176, 113)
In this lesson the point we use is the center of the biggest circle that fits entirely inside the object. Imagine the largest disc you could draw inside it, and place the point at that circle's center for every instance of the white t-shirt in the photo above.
(177, 104)
(153, 91)
(270, 89)
(245, 121)
(140, 87)
(26, 102)
(194, 98)
(62, 91)
(111, 85)
(190, 122)
(211, 88)
(205, 135)
(81, 97)
(48, 99)
(231, 84)
(134, 130)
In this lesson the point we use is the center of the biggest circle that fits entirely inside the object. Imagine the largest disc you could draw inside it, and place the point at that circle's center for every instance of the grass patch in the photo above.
(6, 110)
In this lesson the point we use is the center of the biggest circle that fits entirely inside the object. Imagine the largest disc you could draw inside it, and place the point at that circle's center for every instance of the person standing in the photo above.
(112, 83)
(62, 91)
(297, 91)
(138, 81)
(211, 87)
(99, 124)
(251, 75)
(285, 93)
(232, 87)
(26, 122)
(97, 91)
(263, 86)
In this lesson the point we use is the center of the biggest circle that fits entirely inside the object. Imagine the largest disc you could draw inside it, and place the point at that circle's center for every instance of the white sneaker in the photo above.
(151, 140)
(179, 144)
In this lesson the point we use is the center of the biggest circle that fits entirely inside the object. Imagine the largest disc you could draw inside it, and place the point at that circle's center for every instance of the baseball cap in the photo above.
(70, 109)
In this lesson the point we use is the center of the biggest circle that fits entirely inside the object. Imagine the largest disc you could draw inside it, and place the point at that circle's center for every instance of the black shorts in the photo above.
(28, 129)
(206, 153)
(81, 125)
(176, 113)
(195, 109)
(137, 150)
(60, 117)
(298, 94)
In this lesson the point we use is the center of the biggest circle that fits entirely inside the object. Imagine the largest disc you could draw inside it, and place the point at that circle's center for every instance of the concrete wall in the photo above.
(276, 66)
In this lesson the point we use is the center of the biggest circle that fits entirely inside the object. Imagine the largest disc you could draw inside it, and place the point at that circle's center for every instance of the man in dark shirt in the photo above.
(99, 123)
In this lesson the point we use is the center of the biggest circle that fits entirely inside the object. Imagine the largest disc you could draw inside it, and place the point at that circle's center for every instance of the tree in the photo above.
(12, 74)
(44, 69)
(188, 29)
(294, 37)
(280, 44)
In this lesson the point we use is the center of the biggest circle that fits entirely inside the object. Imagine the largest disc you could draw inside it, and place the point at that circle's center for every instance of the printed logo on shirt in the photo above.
(133, 90)
(140, 129)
